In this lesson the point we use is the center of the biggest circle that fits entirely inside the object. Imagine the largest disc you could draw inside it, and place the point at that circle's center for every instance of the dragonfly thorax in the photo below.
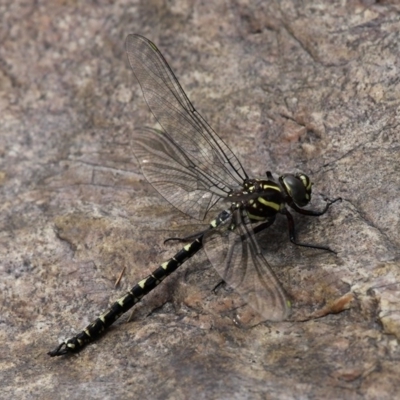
(264, 198)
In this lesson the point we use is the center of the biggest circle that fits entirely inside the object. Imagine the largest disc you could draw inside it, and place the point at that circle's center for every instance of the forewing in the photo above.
(237, 257)
(183, 126)
(173, 174)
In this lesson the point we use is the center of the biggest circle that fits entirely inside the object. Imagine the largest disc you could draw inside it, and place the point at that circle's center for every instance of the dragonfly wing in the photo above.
(182, 124)
(173, 175)
(237, 257)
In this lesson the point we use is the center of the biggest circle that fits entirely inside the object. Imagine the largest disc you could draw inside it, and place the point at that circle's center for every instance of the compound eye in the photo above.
(305, 181)
(298, 188)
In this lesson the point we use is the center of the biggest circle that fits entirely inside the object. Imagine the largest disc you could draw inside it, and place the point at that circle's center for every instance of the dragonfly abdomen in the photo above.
(142, 288)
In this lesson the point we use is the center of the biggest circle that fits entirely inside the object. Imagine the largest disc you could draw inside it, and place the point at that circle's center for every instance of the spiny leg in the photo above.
(312, 213)
(188, 238)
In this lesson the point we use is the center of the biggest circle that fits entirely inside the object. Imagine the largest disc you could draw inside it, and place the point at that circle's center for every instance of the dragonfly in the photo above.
(194, 170)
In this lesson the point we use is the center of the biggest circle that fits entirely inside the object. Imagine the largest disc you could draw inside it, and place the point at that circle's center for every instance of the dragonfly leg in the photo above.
(292, 234)
(188, 238)
(313, 213)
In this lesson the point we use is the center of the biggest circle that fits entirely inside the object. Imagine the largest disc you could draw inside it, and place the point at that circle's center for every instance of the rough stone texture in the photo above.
(287, 84)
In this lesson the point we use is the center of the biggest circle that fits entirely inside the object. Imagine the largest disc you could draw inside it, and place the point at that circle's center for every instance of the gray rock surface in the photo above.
(288, 85)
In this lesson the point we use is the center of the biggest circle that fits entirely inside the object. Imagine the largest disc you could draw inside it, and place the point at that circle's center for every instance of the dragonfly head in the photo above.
(297, 188)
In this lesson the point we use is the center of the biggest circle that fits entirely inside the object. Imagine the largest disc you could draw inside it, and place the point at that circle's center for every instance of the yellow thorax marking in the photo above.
(271, 204)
